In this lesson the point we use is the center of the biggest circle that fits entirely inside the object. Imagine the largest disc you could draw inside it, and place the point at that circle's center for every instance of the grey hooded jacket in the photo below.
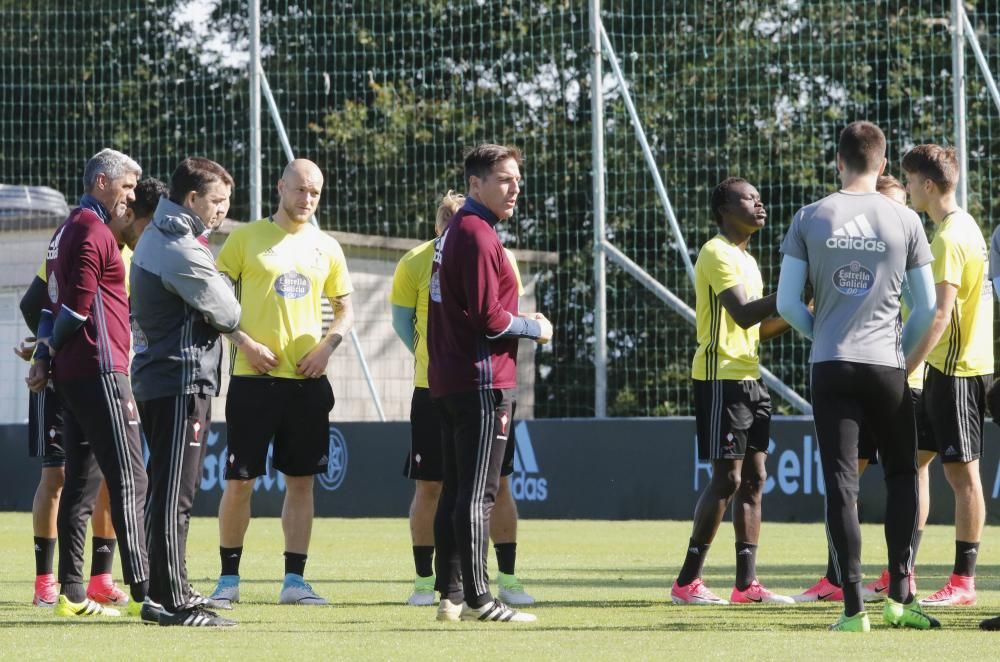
(180, 304)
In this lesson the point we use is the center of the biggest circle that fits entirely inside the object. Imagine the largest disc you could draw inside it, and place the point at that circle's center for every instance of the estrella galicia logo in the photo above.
(526, 484)
(292, 285)
(854, 279)
(139, 341)
(336, 464)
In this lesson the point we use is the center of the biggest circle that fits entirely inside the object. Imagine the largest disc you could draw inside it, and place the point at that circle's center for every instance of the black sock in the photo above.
(831, 569)
(965, 558)
(852, 598)
(693, 562)
(917, 536)
(139, 591)
(746, 564)
(103, 557)
(295, 563)
(506, 556)
(231, 559)
(423, 560)
(74, 592)
(45, 551)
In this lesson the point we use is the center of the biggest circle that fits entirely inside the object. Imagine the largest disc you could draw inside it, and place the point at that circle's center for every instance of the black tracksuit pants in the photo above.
(847, 396)
(476, 429)
(176, 429)
(101, 436)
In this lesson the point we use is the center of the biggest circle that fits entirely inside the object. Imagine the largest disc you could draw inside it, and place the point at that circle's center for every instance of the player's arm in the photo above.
(260, 357)
(942, 305)
(773, 327)
(201, 286)
(791, 282)
(77, 295)
(920, 294)
(747, 313)
(482, 284)
(404, 323)
(32, 303)
(314, 363)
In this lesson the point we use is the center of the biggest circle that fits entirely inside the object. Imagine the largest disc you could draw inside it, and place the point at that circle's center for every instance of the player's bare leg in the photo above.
(503, 531)
(422, 510)
(44, 509)
(234, 520)
(708, 514)
(296, 522)
(746, 524)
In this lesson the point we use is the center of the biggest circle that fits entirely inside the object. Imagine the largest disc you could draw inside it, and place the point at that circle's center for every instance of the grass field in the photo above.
(603, 591)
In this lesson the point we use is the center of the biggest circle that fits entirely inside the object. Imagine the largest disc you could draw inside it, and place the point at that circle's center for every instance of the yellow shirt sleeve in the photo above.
(42, 273)
(949, 261)
(719, 271)
(517, 271)
(404, 286)
(338, 281)
(230, 259)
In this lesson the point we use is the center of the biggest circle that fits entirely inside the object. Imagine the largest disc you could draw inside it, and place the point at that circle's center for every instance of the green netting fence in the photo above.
(385, 95)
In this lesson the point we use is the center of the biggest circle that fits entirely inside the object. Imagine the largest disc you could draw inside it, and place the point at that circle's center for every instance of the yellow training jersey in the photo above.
(410, 285)
(725, 350)
(961, 259)
(280, 281)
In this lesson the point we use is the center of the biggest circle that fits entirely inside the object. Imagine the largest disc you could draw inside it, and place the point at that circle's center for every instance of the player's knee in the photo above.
(298, 485)
(239, 489)
(754, 481)
(726, 482)
(429, 490)
(51, 482)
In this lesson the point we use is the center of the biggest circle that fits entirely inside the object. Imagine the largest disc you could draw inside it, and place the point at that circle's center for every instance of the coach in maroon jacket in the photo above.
(86, 326)
(473, 331)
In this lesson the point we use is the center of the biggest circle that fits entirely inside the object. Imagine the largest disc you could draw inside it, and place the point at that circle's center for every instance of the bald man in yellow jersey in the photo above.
(959, 351)
(282, 267)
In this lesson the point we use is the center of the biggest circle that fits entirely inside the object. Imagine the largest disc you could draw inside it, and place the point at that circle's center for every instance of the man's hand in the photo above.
(314, 363)
(38, 376)
(261, 359)
(546, 328)
(26, 348)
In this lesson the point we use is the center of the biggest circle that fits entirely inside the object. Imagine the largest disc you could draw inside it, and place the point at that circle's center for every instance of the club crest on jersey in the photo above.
(854, 279)
(139, 341)
(53, 288)
(856, 235)
(291, 285)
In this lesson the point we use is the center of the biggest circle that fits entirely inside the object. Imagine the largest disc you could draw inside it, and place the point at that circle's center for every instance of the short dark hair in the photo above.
(147, 195)
(720, 196)
(195, 174)
(936, 163)
(480, 160)
(887, 183)
(861, 146)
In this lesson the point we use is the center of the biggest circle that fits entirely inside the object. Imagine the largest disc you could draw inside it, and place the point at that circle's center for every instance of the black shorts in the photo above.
(45, 428)
(731, 416)
(423, 462)
(867, 444)
(955, 409)
(293, 413)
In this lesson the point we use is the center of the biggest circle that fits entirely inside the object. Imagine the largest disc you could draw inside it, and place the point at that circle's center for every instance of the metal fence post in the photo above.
(958, 100)
(600, 261)
(255, 142)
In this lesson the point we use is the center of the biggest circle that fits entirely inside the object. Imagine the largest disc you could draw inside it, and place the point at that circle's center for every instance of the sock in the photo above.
(423, 558)
(965, 558)
(852, 598)
(295, 564)
(693, 562)
(139, 590)
(506, 556)
(45, 551)
(103, 556)
(746, 564)
(74, 592)
(917, 536)
(231, 559)
(831, 569)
